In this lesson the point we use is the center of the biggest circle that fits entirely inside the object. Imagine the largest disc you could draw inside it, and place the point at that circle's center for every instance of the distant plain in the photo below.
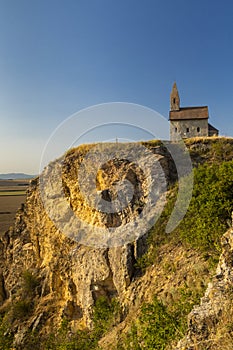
(12, 195)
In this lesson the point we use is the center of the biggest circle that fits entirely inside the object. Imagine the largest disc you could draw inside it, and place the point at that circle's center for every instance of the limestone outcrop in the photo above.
(47, 274)
(70, 275)
(210, 323)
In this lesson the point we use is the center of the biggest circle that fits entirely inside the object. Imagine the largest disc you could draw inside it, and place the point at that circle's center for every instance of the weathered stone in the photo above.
(205, 321)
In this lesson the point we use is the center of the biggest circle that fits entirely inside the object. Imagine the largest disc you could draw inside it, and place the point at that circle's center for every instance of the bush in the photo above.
(65, 340)
(158, 325)
(29, 283)
(210, 208)
(6, 337)
(21, 309)
(207, 218)
(105, 315)
(154, 329)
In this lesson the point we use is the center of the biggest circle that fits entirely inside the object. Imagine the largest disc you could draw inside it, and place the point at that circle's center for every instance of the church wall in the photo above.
(188, 128)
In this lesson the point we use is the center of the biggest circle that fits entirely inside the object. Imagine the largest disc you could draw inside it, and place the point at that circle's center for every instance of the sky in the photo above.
(58, 57)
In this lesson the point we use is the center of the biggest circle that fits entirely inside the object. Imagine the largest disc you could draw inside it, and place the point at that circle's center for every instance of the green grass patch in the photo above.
(6, 336)
(209, 213)
(153, 330)
(160, 325)
(106, 315)
(207, 218)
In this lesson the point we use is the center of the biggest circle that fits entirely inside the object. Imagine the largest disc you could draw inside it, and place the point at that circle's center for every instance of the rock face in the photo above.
(70, 276)
(210, 323)
(59, 277)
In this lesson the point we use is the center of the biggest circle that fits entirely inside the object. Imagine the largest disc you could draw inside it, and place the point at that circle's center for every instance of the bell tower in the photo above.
(174, 99)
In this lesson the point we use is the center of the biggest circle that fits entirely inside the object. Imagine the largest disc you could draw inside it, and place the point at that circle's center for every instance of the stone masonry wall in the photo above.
(188, 128)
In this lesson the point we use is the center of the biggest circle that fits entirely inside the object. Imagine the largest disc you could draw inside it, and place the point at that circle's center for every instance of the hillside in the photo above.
(16, 176)
(57, 293)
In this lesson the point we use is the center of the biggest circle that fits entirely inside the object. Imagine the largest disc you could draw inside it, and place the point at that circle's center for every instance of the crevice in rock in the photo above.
(3, 293)
(72, 311)
(105, 287)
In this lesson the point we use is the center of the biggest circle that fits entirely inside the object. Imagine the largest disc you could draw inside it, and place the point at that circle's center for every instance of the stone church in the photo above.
(188, 122)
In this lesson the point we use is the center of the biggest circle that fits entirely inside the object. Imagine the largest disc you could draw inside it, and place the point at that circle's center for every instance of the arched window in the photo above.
(187, 130)
(174, 100)
(198, 129)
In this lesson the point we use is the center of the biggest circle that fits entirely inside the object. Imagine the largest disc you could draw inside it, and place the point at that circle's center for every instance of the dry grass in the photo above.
(208, 139)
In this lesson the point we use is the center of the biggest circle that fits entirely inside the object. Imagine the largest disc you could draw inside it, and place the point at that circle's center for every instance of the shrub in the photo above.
(207, 217)
(105, 315)
(29, 282)
(6, 337)
(154, 329)
(65, 340)
(21, 309)
(210, 208)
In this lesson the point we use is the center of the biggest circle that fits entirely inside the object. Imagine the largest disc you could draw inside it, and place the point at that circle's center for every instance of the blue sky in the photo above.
(58, 57)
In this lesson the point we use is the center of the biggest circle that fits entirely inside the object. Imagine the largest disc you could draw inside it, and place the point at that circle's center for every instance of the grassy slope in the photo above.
(161, 321)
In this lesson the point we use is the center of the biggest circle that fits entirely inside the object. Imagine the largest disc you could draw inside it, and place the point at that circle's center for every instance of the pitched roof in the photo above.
(212, 128)
(186, 113)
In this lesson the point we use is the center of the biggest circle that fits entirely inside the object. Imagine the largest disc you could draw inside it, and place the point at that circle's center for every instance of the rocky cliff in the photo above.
(47, 276)
(70, 276)
(210, 324)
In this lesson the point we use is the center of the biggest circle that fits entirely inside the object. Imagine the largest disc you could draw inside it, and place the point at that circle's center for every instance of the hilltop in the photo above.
(56, 293)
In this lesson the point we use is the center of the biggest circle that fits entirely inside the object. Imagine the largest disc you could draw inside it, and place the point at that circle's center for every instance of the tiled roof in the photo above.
(186, 113)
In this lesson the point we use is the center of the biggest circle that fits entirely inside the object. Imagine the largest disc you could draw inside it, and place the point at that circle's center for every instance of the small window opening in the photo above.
(174, 100)
(175, 129)
(198, 129)
(187, 130)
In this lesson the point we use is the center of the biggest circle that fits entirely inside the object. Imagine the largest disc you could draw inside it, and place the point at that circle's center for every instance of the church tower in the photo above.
(174, 99)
